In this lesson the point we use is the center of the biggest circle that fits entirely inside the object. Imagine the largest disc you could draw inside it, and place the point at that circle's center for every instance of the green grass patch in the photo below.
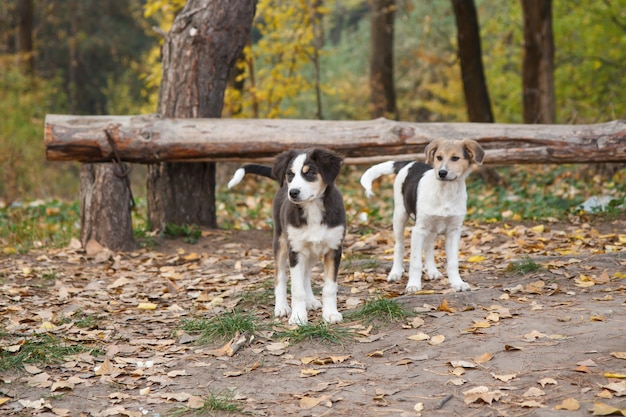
(321, 332)
(214, 403)
(38, 224)
(189, 233)
(524, 266)
(380, 309)
(42, 349)
(264, 295)
(222, 327)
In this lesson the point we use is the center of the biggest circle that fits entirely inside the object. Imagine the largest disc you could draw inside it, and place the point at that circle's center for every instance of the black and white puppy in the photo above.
(435, 193)
(309, 224)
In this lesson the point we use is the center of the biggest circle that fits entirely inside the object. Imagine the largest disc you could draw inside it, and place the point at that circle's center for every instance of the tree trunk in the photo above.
(382, 90)
(473, 74)
(105, 207)
(199, 51)
(538, 65)
(24, 34)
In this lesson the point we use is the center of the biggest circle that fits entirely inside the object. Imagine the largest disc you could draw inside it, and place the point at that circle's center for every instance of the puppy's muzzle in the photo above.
(294, 194)
(442, 174)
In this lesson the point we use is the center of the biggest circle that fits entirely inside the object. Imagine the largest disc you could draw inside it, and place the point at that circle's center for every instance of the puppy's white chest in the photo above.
(441, 198)
(315, 239)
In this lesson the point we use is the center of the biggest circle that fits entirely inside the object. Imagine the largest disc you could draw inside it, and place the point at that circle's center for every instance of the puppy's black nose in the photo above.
(293, 194)
(442, 173)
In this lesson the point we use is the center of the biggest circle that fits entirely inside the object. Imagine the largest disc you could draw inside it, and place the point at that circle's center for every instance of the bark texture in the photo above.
(199, 51)
(382, 89)
(538, 64)
(470, 54)
(105, 207)
(149, 139)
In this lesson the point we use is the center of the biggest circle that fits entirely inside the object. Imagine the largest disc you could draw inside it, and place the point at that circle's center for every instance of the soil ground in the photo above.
(527, 344)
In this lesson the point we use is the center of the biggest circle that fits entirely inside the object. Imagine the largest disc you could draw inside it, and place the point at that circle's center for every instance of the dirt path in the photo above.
(534, 344)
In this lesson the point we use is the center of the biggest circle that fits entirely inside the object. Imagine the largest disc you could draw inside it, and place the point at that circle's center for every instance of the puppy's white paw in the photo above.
(313, 304)
(282, 310)
(460, 285)
(433, 274)
(332, 317)
(395, 275)
(410, 288)
(299, 318)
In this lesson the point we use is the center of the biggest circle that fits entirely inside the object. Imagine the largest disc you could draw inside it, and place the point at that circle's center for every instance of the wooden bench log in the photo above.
(150, 139)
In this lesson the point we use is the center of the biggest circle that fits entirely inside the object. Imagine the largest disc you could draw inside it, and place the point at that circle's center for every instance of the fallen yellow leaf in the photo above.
(570, 404)
(147, 306)
(614, 375)
(475, 258)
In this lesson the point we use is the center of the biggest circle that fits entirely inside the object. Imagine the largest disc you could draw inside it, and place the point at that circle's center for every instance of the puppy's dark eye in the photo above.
(455, 158)
(290, 175)
(439, 158)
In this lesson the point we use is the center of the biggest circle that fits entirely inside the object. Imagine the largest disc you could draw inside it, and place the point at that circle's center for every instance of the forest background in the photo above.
(103, 57)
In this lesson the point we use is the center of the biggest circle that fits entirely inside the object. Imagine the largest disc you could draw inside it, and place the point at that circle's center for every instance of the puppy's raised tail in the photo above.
(262, 170)
(378, 170)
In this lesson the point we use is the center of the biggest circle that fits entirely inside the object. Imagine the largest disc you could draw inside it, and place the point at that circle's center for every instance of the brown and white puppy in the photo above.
(309, 224)
(435, 193)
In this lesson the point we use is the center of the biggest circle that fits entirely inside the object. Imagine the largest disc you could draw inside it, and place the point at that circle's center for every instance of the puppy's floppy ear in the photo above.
(475, 151)
(281, 164)
(329, 163)
(431, 149)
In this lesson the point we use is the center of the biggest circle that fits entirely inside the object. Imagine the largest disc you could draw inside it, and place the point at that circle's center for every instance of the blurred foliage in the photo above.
(23, 169)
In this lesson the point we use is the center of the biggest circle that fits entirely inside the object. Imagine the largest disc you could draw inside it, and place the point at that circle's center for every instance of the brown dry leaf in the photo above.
(493, 316)
(584, 281)
(456, 381)
(482, 393)
(62, 386)
(583, 369)
(619, 355)
(532, 404)
(437, 340)
(416, 322)
(535, 287)
(601, 409)
(504, 378)
(306, 373)
(547, 381)
(325, 360)
(532, 336)
(511, 348)
(225, 350)
(534, 392)
(310, 402)
(619, 388)
(485, 357)
(445, 307)
(194, 402)
(419, 337)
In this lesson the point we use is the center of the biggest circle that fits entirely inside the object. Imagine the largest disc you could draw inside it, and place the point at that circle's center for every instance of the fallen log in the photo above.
(151, 139)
